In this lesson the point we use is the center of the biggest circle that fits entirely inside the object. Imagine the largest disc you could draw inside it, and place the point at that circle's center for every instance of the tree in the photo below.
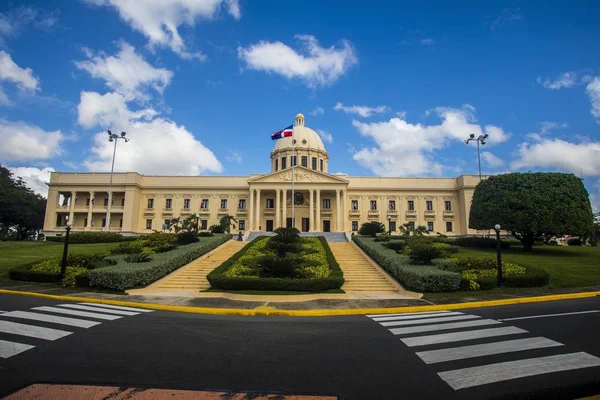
(532, 205)
(226, 222)
(186, 229)
(420, 230)
(372, 228)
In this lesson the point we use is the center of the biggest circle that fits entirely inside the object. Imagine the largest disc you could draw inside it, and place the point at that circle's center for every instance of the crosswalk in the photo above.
(440, 338)
(56, 322)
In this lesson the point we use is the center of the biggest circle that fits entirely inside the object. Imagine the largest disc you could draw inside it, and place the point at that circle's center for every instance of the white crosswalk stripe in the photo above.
(37, 332)
(461, 336)
(429, 320)
(77, 313)
(9, 349)
(442, 327)
(104, 310)
(80, 323)
(100, 305)
(404, 316)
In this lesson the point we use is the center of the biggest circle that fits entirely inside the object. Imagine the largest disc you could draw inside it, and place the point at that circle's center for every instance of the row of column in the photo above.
(254, 209)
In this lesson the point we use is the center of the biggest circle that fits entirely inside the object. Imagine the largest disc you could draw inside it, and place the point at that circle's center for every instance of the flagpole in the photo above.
(293, 193)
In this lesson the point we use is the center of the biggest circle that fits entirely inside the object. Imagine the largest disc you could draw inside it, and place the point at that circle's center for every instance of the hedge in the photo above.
(92, 237)
(335, 280)
(125, 275)
(24, 273)
(415, 277)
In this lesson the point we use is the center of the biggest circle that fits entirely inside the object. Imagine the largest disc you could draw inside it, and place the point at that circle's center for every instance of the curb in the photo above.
(272, 311)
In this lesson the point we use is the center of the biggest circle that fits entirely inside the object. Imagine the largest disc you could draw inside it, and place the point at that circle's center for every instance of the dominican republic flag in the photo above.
(285, 132)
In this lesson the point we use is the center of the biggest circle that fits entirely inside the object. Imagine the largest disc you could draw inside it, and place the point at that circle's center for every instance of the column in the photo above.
(89, 215)
(319, 228)
(257, 205)
(250, 222)
(284, 211)
(311, 209)
(337, 210)
(72, 207)
(277, 210)
(345, 212)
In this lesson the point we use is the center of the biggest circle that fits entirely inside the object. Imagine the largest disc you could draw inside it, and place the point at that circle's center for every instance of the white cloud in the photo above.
(401, 114)
(548, 126)
(427, 42)
(234, 156)
(402, 148)
(23, 78)
(593, 91)
(127, 72)
(560, 155)
(35, 178)
(316, 65)
(326, 136)
(492, 160)
(595, 200)
(363, 111)
(23, 142)
(564, 80)
(507, 17)
(161, 20)
(317, 111)
(108, 111)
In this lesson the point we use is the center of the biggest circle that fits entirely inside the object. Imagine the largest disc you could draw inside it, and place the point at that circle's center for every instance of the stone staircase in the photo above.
(332, 237)
(360, 275)
(193, 275)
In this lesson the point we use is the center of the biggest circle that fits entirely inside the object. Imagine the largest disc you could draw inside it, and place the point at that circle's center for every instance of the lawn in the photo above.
(13, 254)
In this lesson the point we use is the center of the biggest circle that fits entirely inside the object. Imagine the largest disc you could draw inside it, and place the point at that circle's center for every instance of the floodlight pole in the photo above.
(112, 137)
(481, 139)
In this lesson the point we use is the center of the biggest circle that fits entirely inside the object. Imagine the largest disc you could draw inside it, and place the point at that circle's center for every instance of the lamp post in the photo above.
(481, 139)
(389, 224)
(500, 281)
(63, 264)
(112, 137)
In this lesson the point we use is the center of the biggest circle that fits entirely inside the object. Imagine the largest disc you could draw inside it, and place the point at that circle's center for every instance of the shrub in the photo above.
(216, 229)
(442, 263)
(383, 238)
(371, 228)
(473, 262)
(205, 234)
(532, 278)
(49, 270)
(187, 237)
(422, 253)
(483, 242)
(144, 256)
(574, 242)
(125, 275)
(92, 237)
(396, 245)
(158, 242)
(24, 273)
(476, 279)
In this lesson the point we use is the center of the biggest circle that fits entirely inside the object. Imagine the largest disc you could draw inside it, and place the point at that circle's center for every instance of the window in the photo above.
(429, 205)
(148, 224)
(354, 205)
(392, 226)
(373, 205)
(123, 202)
(186, 204)
(103, 222)
(354, 226)
(293, 162)
(270, 203)
(204, 204)
(448, 205)
(204, 224)
(283, 163)
(87, 202)
(223, 204)
(276, 164)
(85, 220)
(106, 202)
(121, 223)
(411, 205)
(304, 161)
(326, 204)
(448, 226)
(314, 163)
(321, 161)
(430, 226)
(242, 224)
(411, 226)
(242, 204)
(169, 203)
(392, 205)
(150, 203)
(167, 223)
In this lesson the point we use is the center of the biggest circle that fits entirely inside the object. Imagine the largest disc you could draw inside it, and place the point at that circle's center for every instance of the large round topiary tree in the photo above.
(531, 205)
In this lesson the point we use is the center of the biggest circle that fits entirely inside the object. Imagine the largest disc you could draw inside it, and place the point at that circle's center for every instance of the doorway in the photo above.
(269, 225)
(326, 226)
(289, 223)
(305, 224)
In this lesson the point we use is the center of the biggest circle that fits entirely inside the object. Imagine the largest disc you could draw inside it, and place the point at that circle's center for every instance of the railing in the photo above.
(326, 211)
(429, 213)
(392, 212)
(448, 214)
(411, 213)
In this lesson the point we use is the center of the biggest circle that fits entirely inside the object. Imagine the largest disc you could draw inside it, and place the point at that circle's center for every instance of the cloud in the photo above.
(108, 111)
(548, 126)
(317, 111)
(234, 156)
(427, 42)
(401, 114)
(507, 17)
(402, 148)
(595, 200)
(23, 78)
(14, 21)
(126, 73)
(35, 178)
(492, 160)
(160, 21)
(363, 111)
(564, 80)
(315, 65)
(24, 142)
(593, 92)
(326, 136)
(559, 154)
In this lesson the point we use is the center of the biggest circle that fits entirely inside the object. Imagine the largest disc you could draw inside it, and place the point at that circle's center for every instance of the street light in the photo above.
(112, 137)
(500, 281)
(63, 264)
(481, 139)
(390, 224)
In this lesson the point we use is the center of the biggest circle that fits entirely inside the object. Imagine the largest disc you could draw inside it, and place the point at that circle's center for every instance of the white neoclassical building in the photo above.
(322, 201)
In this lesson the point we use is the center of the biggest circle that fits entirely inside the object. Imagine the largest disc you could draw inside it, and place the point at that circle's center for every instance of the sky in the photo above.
(393, 88)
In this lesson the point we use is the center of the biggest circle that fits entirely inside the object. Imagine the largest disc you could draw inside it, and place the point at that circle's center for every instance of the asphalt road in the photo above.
(473, 353)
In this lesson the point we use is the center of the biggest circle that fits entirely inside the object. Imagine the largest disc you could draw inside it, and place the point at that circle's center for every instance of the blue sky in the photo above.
(393, 88)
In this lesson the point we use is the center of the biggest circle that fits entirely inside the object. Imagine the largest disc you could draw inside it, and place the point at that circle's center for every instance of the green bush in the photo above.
(371, 229)
(217, 229)
(157, 242)
(205, 234)
(532, 278)
(24, 273)
(421, 253)
(574, 242)
(415, 277)
(187, 237)
(144, 256)
(397, 245)
(473, 262)
(443, 263)
(483, 242)
(49, 270)
(383, 238)
(125, 275)
(92, 237)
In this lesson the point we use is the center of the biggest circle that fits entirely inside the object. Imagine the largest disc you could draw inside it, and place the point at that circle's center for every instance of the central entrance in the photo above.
(305, 224)
(326, 226)
(269, 225)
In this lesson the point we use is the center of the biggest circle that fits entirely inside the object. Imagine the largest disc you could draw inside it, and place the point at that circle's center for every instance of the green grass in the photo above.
(14, 254)
(270, 292)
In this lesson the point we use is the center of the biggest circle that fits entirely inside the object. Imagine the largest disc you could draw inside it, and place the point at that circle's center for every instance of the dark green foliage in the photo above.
(574, 242)
(472, 262)
(24, 273)
(144, 256)
(205, 234)
(371, 228)
(286, 240)
(278, 267)
(397, 245)
(532, 278)
(216, 229)
(88, 261)
(422, 253)
(92, 237)
(531, 205)
(383, 238)
(157, 242)
(482, 242)
(227, 222)
(187, 237)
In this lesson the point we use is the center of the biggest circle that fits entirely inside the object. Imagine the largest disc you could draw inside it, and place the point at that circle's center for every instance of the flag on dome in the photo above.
(285, 132)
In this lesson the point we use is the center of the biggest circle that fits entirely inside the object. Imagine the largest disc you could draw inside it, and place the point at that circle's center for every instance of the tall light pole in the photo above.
(481, 139)
(500, 281)
(112, 137)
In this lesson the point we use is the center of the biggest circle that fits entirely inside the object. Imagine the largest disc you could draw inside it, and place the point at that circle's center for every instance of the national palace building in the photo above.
(323, 201)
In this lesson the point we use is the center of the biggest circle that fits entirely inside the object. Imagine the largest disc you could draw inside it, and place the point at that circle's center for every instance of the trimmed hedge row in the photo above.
(92, 237)
(24, 273)
(335, 280)
(125, 275)
(416, 277)
(533, 277)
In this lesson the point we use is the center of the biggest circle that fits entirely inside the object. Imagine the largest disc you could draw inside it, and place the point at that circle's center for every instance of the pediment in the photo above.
(301, 175)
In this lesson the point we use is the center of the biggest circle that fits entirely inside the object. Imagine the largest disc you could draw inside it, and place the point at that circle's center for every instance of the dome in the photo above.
(305, 138)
